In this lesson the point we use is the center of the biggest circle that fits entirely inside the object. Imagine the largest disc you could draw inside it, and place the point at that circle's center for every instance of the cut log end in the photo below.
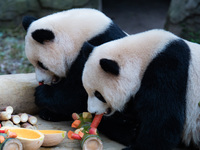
(12, 144)
(24, 117)
(8, 109)
(93, 143)
(32, 120)
(15, 119)
(4, 116)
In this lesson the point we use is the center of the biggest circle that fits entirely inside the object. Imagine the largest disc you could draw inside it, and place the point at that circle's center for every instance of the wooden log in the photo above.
(10, 143)
(7, 123)
(32, 119)
(4, 116)
(27, 125)
(8, 109)
(15, 119)
(23, 117)
(17, 90)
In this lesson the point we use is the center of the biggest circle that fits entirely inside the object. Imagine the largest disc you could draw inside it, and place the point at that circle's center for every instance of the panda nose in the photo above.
(55, 79)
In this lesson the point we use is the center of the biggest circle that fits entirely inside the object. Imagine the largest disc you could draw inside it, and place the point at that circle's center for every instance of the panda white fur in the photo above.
(152, 78)
(54, 45)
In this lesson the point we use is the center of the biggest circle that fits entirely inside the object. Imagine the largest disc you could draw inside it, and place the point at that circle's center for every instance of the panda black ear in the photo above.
(109, 66)
(26, 21)
(43, 35)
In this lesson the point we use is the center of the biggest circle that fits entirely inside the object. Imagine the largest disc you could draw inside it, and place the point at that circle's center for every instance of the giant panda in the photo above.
(54, 44)
(153, 79)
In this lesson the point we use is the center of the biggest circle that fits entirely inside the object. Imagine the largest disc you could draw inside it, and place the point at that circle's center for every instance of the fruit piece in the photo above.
(87, 115)
(53, 137)
(75, 116)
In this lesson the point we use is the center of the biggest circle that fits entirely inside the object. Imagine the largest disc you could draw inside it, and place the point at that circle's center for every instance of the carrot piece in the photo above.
(2, 139)
(12, 134)
(81, 134)
(69, 134)
(96, 121)
(76, 123)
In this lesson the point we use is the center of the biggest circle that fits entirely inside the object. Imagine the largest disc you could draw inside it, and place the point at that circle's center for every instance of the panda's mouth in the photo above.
(55, 79)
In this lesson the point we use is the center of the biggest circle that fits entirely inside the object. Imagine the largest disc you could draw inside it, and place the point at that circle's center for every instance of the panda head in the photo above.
(109, 79)
(53, 42)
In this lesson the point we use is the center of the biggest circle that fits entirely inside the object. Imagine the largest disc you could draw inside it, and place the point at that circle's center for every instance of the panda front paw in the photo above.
(43, 95)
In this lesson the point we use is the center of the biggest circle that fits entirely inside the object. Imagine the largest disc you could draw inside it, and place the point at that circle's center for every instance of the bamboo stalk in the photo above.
(32, 119)
(27, 125)
(4, 116)
(11, 144)
(15, 119)
(23, 117)
(7, 123)
(8, 109)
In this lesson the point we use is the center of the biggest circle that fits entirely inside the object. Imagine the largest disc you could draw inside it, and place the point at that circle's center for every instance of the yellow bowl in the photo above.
(53, 137)
(30, 139)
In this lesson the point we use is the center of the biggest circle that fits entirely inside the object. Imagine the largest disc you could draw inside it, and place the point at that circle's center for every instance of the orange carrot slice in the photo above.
(69, 134)
(81, 134)
(2, 139)
(76, 123)
(11, 134)
(96, 121)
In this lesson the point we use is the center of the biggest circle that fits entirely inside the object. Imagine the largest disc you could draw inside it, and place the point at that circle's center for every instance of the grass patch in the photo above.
(12, 54)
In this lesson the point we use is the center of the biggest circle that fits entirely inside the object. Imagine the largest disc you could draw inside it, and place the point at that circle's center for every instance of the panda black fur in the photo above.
(54, 45)
(153, 80)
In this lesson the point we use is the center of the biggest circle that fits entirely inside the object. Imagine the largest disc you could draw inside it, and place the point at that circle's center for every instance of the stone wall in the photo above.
(184, 18)
(12, 11)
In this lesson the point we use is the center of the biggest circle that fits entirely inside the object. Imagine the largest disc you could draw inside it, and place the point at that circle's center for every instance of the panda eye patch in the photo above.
(99, 96)
(42, 66)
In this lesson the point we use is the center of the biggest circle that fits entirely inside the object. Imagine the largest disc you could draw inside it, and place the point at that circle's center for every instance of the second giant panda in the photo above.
(153, 79)
(54, 44)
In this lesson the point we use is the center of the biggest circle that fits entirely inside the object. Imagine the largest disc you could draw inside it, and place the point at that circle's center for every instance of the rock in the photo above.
(184, 18)
(58, 4)
(17, 90)
(11, 12)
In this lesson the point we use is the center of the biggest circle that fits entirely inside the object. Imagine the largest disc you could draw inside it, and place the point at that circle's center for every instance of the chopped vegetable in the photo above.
(12, 134)
(93, 131)
(96, 121)
(2, 139)
(76, 123)
(71, 135)
(81, 134)
(87, 115)
(75, 116)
